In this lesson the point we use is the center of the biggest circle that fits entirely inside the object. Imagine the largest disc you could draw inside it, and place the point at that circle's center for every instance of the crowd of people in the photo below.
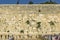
(52, 37)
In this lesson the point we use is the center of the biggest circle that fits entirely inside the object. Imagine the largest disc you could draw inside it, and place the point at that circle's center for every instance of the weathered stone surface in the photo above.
(31, 19)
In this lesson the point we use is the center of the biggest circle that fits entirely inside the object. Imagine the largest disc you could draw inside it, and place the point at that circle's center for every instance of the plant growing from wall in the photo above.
(22, 31)
(27, 22)
(39, 10)
(51, 23)
(38, 24)
(8, 31)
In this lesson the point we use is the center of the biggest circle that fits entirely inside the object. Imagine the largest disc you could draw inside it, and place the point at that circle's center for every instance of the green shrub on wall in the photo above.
(51, 23)
(27, 22)
(22, 31)
(38, 24)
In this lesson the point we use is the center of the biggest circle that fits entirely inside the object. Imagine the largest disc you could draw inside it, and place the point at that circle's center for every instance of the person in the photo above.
(59, 37)
(11, 38)
(56, 38)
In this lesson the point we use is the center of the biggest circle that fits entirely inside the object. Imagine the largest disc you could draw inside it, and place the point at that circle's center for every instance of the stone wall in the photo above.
(35, 19)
